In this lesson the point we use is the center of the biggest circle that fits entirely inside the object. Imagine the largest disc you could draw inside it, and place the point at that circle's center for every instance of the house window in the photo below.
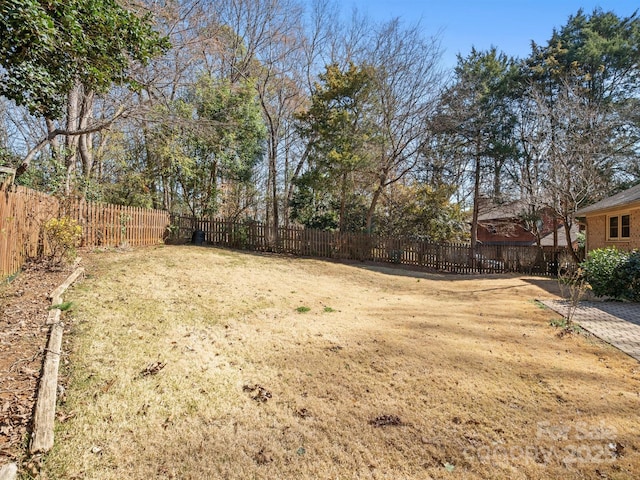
(619, 227)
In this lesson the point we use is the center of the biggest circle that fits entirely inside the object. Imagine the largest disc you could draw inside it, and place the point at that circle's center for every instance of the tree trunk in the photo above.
(343, 202)
(273, 153)
(71, 142)
(476, 208)
(55, 144)
(567, 232)
(98, 156)
(497, 180)
(211, 195)
(296, 174)
(374, 202)
(85, 141)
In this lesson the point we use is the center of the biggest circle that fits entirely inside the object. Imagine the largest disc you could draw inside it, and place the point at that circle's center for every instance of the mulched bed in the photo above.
(24, 307)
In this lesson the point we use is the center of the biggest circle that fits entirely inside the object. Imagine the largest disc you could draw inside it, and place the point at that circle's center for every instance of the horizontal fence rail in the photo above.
(300, 241)
(24, 213)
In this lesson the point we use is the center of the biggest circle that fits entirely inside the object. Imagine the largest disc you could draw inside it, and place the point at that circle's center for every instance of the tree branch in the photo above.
(67, 133)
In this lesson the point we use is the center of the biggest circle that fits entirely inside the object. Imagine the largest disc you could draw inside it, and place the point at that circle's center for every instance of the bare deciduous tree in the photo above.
(407, 79)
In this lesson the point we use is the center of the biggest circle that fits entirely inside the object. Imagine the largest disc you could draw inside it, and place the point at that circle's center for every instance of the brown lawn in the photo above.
(200, 363)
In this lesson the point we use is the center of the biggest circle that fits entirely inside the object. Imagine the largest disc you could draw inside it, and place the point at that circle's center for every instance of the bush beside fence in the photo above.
(24, 212)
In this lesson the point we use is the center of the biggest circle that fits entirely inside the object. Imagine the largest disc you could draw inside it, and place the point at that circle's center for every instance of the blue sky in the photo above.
(509, 25)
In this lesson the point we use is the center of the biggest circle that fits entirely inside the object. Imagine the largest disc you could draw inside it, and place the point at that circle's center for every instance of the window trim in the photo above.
(619, 228)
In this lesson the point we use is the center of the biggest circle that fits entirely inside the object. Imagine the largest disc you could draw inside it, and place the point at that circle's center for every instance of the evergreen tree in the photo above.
(339, 128)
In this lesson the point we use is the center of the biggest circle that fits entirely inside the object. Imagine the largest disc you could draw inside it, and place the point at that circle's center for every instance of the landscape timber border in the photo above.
(44, 416)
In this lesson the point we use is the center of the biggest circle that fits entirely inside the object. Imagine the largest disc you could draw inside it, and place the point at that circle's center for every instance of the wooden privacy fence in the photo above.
(24, 212)
(114, 225)
(300, 241)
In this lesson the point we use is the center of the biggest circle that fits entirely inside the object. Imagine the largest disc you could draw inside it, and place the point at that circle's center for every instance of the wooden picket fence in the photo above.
(299, 241)
(24, 212)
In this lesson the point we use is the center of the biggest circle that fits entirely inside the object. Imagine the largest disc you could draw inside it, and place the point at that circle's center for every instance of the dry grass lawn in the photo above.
(200, 363)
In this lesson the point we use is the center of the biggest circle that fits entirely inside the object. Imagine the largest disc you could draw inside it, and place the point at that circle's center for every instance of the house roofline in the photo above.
(625, 199)
(588, 212)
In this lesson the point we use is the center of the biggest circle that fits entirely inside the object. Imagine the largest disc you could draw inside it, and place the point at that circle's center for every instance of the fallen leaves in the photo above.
(386, 421)
(257, 392)
(62, 417)
(303, 413)
(23, 336)
(14, 418)
(616, 449)
(151, 369)
(262, 457)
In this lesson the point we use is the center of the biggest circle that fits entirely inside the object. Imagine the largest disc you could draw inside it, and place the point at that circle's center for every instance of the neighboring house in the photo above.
(614, 221)
(505, 225)
(548, 240)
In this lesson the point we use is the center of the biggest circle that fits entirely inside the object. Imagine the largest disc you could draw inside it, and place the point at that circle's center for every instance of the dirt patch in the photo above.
(24, 307)
(385, 375)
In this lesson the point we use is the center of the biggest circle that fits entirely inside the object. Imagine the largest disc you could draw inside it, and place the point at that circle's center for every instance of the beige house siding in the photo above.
(597, 230)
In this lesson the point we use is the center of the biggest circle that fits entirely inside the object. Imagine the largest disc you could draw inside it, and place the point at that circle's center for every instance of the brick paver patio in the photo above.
(616, 323)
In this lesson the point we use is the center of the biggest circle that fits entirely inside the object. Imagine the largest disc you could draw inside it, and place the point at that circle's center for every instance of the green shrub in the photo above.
(630, 273)
(613, 273)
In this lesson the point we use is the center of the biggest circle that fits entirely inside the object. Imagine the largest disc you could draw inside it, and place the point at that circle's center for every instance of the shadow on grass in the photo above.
(411, 271)
(549, 285)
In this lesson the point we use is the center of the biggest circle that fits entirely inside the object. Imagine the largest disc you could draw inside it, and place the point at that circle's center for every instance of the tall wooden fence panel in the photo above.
(24, 212)
(299, 241)
(115, 225)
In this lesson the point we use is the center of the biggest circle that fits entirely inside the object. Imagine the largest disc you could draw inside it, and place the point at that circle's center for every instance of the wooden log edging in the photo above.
(56, 295)
(9, 472)
(44, 417)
